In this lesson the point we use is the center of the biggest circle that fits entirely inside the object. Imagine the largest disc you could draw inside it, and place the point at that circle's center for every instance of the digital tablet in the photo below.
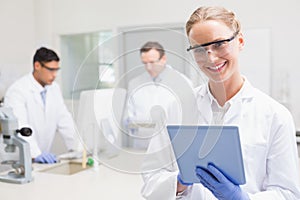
(200, 145)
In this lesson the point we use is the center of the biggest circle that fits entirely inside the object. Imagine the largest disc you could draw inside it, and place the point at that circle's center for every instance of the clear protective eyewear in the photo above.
(152, 62)
(49, 68)
(219, 48)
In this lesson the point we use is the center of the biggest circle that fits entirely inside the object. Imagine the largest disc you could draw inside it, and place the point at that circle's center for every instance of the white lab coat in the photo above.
(45, 120)
(144, 93)
(268, 143)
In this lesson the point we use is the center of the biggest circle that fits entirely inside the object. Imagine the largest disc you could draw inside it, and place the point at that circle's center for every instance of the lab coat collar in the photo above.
(244, 93)
(203, 103)
(247, 91)
(205, 99)
(36, 86)
(163, 74)
(36, 90)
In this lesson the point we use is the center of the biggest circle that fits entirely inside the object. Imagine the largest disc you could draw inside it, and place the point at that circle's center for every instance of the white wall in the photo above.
(56, 17)
(282, 17)
(16, 41)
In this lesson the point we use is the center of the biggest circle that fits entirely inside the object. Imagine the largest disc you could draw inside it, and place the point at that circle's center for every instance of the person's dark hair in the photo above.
(45, 55)
(153, 45)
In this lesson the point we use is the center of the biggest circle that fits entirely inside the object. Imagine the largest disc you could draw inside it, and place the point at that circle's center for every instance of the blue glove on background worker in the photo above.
(222, 188)
(46, 158)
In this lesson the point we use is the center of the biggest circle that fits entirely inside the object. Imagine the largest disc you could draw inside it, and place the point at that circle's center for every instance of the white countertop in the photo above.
(99, 182)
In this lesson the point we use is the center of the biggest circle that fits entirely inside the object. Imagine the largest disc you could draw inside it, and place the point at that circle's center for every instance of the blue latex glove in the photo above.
(46, 158)
(181, 181)
(219, 185)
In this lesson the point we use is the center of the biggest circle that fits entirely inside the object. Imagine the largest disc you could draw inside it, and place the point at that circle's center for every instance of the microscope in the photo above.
(9, 132)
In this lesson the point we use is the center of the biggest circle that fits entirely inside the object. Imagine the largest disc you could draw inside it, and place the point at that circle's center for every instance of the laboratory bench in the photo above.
(109, 180)
(97, 182)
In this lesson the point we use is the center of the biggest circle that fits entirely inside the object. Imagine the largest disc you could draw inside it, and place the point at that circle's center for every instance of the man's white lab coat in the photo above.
(268, 143)
(144, 93)
(45, 120)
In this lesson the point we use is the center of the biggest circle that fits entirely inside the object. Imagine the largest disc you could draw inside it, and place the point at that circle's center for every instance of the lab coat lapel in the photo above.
(237, 110)
(205, 110)
(204, 107)
(35, 91)
(37, 98)
(234, 113)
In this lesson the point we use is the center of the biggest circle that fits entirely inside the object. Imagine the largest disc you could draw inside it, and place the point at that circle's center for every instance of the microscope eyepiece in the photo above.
(25, 131)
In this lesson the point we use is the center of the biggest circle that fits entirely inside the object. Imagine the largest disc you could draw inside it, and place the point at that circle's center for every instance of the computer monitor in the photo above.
(99, 119)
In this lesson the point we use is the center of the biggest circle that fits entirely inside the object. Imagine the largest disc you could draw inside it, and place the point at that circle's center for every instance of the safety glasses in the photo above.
(218, 48)
(49, 68)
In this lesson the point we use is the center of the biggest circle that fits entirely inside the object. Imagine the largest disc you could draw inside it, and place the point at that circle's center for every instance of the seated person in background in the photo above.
(37, 102)
(152, 88)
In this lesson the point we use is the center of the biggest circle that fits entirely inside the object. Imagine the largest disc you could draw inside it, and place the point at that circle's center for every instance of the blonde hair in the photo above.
(213, 13)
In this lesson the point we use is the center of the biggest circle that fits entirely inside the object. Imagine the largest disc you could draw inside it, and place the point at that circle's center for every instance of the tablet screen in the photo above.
(200, 145)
